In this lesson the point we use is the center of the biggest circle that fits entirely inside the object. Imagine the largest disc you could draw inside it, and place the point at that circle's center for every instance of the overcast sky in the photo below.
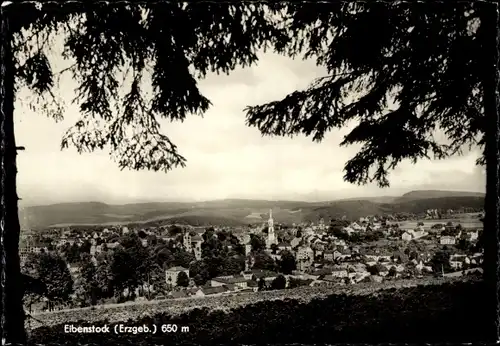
(225, 159)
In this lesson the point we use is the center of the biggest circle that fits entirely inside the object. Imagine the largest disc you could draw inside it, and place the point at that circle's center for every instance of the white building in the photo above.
(447, 240)
(406, 236)
(172, 274)
(271, 236)
(192, 243)
(305, 258)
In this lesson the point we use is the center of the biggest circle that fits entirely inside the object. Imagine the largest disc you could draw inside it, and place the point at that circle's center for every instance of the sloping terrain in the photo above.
(233, 212)
(427, 194)
(455, 312)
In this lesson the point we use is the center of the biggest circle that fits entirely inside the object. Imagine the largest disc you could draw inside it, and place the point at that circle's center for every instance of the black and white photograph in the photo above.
(248, 172)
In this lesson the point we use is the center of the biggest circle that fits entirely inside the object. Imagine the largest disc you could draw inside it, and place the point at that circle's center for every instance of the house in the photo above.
(95, 249)
(305, 257)
(284, 246)
(419, 233)
(248, 249)
(73, 269)
(420, 266)
(399, 268)
(321, 272)
(331, 280)
(407, 236)
(295, 242)
(339, 243)
(372, 257)
(218, 282)
(264, 274)
(382, 270)
(384, 256)
(212, 291)
(356, 227)
(447, 240)
(337, 255)
(477, 258)
(328, 255)
(239, 282)
(358, 277)
(339, 272)
(252, 285)
(196, 242)
(244, 238)
(456, 264)
(230, 288)
(474, 235)
(112, 245)
(172, 274)
(399, 256)
(71, 241)
(30, 245)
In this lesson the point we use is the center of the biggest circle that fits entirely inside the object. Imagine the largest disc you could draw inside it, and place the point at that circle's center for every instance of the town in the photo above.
(86, 266)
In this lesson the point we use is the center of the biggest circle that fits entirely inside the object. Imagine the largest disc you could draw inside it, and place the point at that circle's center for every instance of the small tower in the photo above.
(271, 237)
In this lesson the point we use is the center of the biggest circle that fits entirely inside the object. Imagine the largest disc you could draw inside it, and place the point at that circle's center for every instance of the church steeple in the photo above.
(271, 237)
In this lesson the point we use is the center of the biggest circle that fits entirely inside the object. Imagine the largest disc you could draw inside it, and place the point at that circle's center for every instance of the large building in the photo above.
(192, 243)
(172, 274)
(28, 245)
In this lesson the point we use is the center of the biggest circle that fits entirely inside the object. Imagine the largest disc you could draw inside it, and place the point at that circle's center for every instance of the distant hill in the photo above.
(426, 194)
(235, 212)
(378, 199)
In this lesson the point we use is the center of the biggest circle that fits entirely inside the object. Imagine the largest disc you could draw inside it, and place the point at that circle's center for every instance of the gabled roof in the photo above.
(252, 283)
(230, 287)
(213, 290)
(177, 269)
(320, 272)
(179, 294)
(330, 278)
(264, 274)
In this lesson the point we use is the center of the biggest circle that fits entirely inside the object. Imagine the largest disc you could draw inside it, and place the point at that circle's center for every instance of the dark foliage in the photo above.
(408, 78)
(177, 43)
(52, 272)
(182, 279)
(287, 262)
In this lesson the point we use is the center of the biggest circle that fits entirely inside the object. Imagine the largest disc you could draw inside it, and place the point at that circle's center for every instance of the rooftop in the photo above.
(177, 269)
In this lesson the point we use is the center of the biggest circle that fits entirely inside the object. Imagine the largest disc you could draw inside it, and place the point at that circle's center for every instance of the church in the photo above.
(271, 236)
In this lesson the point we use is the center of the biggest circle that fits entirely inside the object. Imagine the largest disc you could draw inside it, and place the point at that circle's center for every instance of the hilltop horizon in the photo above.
(302, 198)
(237, 212)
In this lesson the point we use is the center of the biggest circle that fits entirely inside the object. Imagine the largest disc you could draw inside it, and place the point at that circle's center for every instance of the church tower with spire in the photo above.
(271, 236)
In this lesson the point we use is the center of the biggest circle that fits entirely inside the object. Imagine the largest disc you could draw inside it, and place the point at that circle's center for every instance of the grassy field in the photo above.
(466, 222)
